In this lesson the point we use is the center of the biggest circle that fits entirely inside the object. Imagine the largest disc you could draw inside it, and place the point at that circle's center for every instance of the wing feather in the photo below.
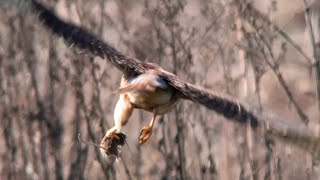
(222, 104)
(228, 107)
(83, 39)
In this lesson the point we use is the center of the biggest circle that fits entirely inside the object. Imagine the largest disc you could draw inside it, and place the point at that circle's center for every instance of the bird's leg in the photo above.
(114, 138)
(146, 131)
(122, 113)
(113, 132)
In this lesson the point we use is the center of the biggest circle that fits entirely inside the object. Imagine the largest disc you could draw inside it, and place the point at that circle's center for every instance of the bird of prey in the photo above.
(143, 85)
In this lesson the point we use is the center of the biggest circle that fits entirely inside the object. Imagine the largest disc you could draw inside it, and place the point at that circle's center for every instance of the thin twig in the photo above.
(275, 68)
(249, 9)
(90, 143)
(315, 60)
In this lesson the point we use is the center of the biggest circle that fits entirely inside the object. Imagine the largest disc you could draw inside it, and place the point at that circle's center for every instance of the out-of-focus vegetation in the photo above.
(263, 52)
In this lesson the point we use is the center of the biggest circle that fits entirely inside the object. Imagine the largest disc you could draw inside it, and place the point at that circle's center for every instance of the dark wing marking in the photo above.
(223, 105)
(83, 39)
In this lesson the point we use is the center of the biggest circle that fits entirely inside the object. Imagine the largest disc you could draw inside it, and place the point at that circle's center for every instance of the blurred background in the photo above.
(264, 52)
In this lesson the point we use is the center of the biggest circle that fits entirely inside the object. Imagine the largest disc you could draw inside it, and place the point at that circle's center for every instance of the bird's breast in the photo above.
(161, 100)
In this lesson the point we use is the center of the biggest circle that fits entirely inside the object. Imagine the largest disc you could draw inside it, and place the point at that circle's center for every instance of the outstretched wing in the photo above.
(269, 125)
(222, 104)
(83, 39)
(228, 107)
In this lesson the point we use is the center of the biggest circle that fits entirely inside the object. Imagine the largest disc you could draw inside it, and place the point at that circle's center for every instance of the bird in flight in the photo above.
(143, 85)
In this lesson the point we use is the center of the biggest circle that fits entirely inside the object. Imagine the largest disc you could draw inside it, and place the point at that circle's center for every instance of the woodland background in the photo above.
(263, 52)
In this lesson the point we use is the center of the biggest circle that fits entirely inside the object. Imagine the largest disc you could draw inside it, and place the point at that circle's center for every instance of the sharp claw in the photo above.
(145, 134)
(113, 134)
(142, 141)
(110, 133)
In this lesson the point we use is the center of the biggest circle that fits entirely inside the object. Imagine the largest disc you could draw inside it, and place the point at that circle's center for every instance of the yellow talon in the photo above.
(145, 134)
(112, 133)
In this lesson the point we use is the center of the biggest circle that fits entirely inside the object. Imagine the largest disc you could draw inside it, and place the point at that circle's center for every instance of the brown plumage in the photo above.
(149, 87)
(144, 85)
